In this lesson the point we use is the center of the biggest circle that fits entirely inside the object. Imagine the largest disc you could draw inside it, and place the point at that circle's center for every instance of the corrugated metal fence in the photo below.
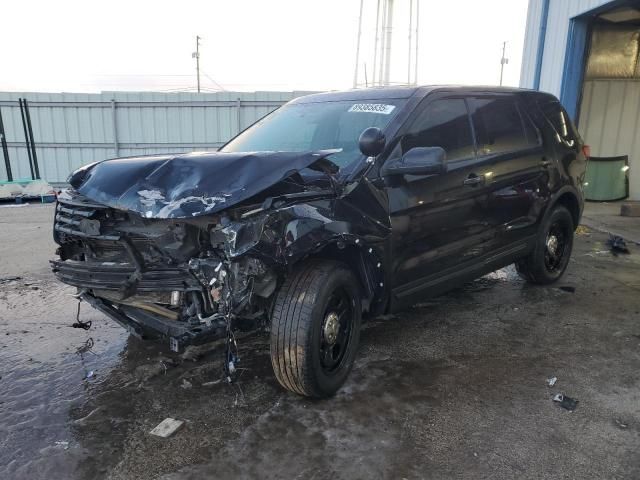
(72, 129)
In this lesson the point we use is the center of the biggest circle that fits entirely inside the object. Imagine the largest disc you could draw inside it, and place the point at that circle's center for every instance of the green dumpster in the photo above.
(606, 179)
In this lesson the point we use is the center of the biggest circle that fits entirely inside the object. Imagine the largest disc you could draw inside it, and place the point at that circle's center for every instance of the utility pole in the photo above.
(410, 32)
(375, 45)
(355, 74)
(387, 42)
(383, 39)
(415, 73)
(196, 55)
(503, 61)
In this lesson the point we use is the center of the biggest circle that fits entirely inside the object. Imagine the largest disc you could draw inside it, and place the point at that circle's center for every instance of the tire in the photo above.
(315, 328)
(549, 258)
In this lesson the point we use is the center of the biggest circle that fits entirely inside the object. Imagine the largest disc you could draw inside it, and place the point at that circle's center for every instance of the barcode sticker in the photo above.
(372, 108)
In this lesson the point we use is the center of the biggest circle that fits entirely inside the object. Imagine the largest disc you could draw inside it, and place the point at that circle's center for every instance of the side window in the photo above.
(442, 123)
(499, 126)
(560, 122)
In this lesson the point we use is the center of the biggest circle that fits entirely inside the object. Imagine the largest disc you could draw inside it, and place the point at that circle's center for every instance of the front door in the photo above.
(439, 221)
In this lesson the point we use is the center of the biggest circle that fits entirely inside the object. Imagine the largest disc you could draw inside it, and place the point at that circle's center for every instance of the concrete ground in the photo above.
(605, 217)
(454, 387)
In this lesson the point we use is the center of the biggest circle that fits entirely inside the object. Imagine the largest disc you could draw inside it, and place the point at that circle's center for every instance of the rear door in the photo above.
(439, 221)
(514, 168)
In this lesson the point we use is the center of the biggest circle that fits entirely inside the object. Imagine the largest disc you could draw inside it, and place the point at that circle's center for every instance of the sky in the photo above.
(281, 45)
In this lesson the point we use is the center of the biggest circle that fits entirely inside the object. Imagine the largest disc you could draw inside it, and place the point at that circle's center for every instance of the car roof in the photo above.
(382, 93)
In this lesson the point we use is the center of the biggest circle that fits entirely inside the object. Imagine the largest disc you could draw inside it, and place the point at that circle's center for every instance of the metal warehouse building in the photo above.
(586, 52)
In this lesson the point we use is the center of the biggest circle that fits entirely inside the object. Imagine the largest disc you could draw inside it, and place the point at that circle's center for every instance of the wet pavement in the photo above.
(454, 387)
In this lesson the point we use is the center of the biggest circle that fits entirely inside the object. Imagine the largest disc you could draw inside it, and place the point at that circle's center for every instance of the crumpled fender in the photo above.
(290, 233)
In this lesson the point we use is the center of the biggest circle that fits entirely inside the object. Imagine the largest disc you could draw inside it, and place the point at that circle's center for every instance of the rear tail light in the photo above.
(586, 150)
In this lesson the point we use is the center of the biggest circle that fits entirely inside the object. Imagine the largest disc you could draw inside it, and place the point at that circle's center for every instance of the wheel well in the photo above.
(363, 263)
(570, 202)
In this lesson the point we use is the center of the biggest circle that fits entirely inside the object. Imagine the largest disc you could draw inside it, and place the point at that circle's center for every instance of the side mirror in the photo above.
(372, 142)
(418, 161)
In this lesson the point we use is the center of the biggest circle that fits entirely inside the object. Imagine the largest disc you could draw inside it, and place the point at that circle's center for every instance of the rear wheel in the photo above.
(315, 328)
(550, 256)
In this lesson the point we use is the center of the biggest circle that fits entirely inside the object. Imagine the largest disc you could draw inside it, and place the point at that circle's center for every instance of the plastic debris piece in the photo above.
(14, 205)
(621, 424)
(565, 402)
(63, 443)
(552, 381)
(9, 279)
(90, 374)
(617, 244)
(186, 384)
(210, 384)
(167, 427)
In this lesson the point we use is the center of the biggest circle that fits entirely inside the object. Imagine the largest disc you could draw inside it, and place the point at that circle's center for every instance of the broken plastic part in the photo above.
(566, 402)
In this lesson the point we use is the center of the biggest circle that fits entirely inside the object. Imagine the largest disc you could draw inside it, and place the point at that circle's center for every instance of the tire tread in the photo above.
(291, 323)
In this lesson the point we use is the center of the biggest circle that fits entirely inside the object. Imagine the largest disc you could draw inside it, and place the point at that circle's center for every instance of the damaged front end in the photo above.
(183, 251)
(154, 276)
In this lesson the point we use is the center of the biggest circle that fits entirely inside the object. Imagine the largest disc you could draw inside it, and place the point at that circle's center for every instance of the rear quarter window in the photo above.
(559, 120)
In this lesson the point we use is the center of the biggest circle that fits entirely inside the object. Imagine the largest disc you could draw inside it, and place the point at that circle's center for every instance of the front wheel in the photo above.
(550, 256)
(315, 328)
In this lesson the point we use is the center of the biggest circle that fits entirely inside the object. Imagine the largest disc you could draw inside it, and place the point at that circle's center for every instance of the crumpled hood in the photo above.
(190, 185)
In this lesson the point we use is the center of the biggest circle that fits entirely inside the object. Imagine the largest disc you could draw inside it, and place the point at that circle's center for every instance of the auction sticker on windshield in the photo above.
(372, 108)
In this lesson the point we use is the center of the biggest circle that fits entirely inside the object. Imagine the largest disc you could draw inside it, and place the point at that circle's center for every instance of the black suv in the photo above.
(335, 207)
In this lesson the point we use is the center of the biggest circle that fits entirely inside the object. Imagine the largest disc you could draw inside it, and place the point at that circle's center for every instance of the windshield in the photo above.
(317, 126)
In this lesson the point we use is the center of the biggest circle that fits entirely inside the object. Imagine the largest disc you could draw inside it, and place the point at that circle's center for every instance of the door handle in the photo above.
(473, 180)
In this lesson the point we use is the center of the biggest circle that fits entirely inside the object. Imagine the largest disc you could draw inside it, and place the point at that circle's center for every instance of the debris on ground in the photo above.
(621, 424)
(62, 443)
(82, 325)
(630, 209)
(86, 347)
(79, 323)
(565, 402)
(552, 381)
(14, 205)
(167, 427)
(90, 374)
(582, 230)
(210, 384)
(617, 244)
(568, 289)
(186, 384)
(9, 279)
